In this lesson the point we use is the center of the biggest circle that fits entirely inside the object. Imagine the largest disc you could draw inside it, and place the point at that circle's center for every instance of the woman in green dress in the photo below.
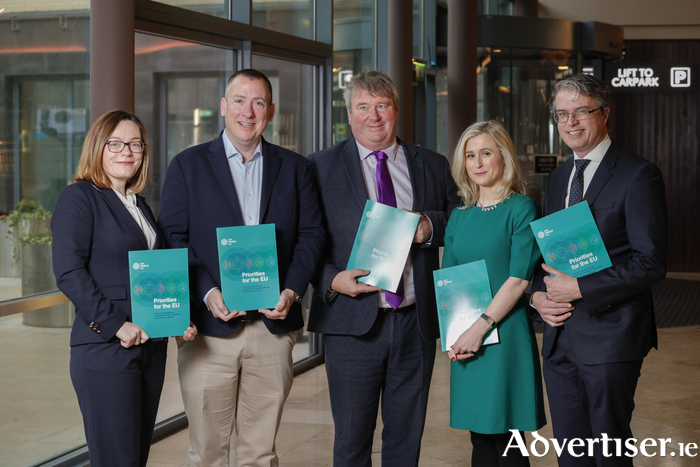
(494, 388)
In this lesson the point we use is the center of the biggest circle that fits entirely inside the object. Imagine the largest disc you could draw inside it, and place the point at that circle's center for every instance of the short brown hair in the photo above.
(90, 165)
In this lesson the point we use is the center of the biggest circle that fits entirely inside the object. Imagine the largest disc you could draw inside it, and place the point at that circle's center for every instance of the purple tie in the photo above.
(386, 195)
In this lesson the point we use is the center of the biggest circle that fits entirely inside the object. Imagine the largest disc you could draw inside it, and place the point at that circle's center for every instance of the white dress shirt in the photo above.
(398, 169)
(129, 202)
(595, 156)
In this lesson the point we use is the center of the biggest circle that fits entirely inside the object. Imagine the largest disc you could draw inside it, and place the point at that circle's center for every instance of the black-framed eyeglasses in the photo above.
(579, 114)
(118, 146)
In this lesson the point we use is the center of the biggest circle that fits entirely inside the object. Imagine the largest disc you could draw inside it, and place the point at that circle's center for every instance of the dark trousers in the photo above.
(391, 363)
(118, 392)
(487, 451)
(588, 400)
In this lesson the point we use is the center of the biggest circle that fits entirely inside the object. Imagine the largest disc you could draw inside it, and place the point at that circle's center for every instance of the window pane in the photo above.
(292, 128)
(178, 88)
(353, 51)
(219, 8)
(288, 16)
(44, 74)
(40, 415)
(292, 125)
(418, 29)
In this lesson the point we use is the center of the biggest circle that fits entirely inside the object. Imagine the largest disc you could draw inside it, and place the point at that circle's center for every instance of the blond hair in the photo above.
(90, 166)
(512, 178)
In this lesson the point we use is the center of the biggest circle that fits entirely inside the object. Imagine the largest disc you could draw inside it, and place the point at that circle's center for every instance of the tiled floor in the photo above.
(668, 406)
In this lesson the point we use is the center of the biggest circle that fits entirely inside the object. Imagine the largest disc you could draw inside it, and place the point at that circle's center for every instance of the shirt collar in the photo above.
(231, 150)
(130, 197)
(391, 151)
(598, 152)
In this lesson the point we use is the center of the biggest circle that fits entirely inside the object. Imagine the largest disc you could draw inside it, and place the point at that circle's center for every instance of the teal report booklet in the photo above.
(570, 241)
(463, 293)
(382, 244)
(250, 277)
(160, 291)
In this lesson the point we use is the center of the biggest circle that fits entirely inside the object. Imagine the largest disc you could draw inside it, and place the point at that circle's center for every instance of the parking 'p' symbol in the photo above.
(680, 77)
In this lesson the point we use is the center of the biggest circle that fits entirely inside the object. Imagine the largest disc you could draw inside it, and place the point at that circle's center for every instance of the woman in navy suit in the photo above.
(116, 370)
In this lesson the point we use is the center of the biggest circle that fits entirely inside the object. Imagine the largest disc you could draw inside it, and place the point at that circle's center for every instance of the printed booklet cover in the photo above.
(382, 244)
(160, 291)
(463, 293)
(248, 266)
(570, 241)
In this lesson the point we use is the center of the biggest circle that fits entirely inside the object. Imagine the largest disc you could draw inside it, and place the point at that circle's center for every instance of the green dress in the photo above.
(500, 388)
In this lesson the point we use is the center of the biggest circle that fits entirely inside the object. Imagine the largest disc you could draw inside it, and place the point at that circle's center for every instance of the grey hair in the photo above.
(375, 83)
(583, 84)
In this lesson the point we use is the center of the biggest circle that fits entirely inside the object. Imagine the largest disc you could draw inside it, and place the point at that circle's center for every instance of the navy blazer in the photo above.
(338, 175)
(93, 233)
(614, 321)
(199, 196)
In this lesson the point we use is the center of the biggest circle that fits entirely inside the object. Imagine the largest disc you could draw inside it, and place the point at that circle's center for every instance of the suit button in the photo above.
(99, 332)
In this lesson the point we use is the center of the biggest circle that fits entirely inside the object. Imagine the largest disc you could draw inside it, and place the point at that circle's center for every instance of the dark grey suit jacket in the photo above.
(337, 172)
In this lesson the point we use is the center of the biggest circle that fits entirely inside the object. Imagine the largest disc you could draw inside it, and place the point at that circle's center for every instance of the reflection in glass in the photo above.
(418, 29)
(179, 86)
(292, 128)
(513, 87)
(44, 76)
(496, 7)
(353, 51)
(293, 96)
(293, 17)
(219, 8)
(441, 146)
(40, 417)
(44, 94)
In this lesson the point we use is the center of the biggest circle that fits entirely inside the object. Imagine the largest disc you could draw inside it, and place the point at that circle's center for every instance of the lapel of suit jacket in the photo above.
(141, 203)
(118, 207)
(416, 173)
(602, 174)
(219, 162)
(271, 166)
(350, 158)
(562, 186)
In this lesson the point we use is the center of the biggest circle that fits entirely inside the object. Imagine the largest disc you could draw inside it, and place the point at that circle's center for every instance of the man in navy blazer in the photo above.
(240, 372)
(599, 328)
(375, 349)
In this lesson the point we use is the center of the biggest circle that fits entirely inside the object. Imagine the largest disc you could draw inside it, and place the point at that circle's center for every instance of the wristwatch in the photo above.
(488, 319)
(297, 298)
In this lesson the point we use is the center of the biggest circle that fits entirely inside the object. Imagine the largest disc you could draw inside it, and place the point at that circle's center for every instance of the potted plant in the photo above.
(9, 251)
(29, 223)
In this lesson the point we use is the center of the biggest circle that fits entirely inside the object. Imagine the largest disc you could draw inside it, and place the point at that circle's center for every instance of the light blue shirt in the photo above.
(247, 179)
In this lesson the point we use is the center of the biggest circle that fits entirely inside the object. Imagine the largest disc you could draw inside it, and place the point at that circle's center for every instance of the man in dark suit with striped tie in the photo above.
(599, 328)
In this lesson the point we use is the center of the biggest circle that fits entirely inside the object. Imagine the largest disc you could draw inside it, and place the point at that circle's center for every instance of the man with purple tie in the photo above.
(379, 345)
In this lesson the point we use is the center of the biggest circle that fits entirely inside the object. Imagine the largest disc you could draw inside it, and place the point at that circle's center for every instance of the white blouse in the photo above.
(130, 203)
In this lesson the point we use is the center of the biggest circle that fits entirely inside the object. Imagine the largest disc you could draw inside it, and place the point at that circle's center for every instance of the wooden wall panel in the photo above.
(664, 128)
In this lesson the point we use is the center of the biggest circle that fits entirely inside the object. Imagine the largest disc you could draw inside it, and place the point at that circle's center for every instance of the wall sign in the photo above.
(650, 77)
(545, 163)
